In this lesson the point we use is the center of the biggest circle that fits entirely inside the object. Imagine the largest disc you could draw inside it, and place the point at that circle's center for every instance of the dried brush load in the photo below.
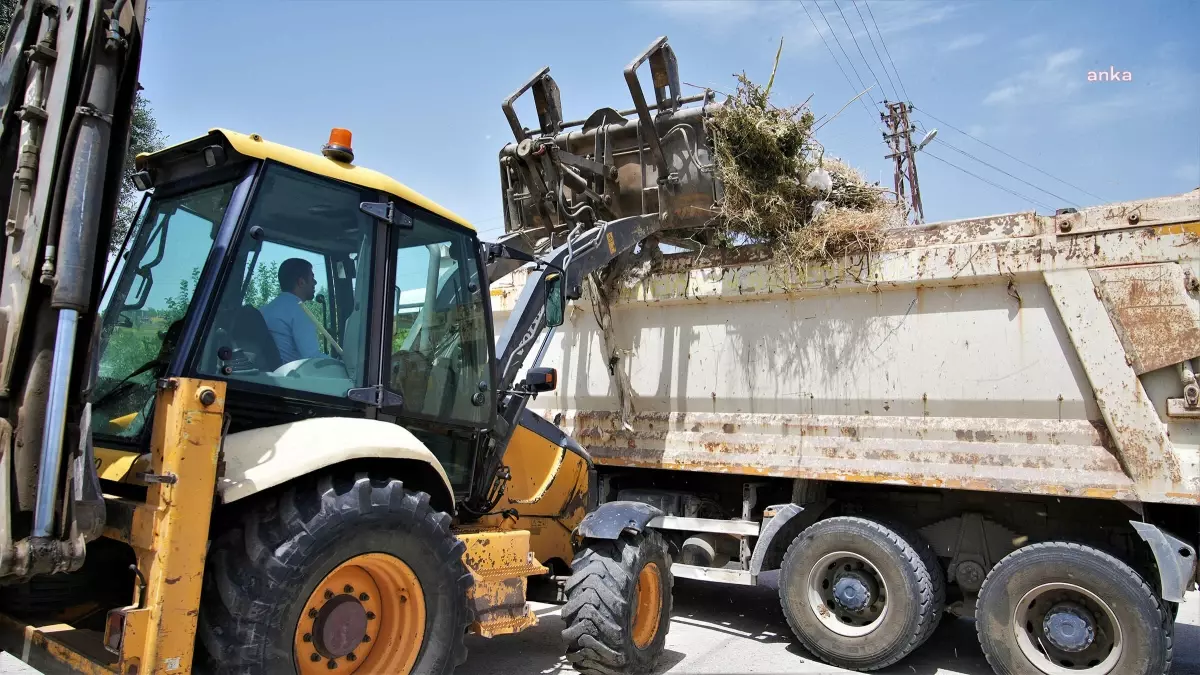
(781, 190)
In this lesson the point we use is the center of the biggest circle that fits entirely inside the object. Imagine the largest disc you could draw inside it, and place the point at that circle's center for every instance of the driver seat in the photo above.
(249, 332)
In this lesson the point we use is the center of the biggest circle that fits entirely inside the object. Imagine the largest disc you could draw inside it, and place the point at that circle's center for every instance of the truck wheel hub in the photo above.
(854, 591)
(339, 626)
(1069, 627)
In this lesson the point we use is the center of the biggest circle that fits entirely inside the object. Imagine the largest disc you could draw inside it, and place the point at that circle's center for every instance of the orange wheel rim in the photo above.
(367, 614)
(648, 596)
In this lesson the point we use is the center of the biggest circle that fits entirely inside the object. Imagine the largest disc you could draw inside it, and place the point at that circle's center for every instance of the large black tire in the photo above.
(910, 573)
(937, 575)
(261, 571)
(602, 605)
(1145, 624)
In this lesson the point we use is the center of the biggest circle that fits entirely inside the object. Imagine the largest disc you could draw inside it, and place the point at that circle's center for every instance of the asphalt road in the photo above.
(730, 630)
(726, 630)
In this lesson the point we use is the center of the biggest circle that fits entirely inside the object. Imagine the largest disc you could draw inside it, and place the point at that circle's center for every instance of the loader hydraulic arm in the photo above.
(581, 194)
(579, 257)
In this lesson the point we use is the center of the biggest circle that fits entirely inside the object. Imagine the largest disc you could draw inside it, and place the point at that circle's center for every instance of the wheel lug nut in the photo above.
(312, 613)
(332, 664)
(314, 658)
(364, 597)
(403, 599)
(370, 616)
(351, 656)
(308, 637)
(348, 588)
(328, 594)
(366, 638)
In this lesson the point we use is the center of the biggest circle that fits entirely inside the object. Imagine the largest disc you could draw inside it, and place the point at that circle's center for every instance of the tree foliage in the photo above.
(144, 136)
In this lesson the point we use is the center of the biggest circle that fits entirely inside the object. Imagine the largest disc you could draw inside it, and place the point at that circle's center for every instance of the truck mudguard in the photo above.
(611, 519)
(1175, 558)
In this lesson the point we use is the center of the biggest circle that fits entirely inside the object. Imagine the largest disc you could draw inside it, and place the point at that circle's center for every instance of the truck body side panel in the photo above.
(984, 354)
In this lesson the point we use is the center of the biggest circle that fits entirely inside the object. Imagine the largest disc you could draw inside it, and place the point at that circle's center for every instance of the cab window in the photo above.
(143, 308)
(292, 310)
(439, 351)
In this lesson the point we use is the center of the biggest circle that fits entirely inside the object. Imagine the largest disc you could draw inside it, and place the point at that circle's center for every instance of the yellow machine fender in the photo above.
(259, 459)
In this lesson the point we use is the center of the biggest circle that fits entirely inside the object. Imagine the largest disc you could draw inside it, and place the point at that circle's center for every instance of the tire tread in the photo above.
(597, 604)
(1166, 620)
(915, 556)
(246, 572)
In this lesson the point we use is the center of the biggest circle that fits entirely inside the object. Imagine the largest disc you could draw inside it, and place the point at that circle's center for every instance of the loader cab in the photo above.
(313, 288)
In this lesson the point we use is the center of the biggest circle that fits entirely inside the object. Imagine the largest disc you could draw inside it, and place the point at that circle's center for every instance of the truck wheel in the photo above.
(618, 607)
(352, 573)
(859, 595)
(1057, 607)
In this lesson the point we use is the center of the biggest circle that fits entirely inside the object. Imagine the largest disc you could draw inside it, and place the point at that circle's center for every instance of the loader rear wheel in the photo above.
(1058, 608)
(618, 607)
(858, 594)
(347, 574)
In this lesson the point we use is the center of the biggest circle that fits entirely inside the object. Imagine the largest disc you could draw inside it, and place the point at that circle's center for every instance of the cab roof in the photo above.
(257, 147)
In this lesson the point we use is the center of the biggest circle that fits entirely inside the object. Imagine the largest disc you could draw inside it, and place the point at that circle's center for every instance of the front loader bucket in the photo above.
(650, 159)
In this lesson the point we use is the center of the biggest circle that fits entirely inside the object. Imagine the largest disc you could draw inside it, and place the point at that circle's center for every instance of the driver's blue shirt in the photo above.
(294, 333)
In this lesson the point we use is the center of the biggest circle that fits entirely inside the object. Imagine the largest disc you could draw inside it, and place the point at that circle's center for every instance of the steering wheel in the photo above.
(315, 367)
(410, 376)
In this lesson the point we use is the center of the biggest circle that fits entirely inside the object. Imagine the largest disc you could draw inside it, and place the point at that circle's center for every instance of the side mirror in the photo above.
(497, 251)
(555, 300)
(538, 380)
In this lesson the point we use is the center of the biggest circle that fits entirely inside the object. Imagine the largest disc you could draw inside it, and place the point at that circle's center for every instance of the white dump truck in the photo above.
(997, 417)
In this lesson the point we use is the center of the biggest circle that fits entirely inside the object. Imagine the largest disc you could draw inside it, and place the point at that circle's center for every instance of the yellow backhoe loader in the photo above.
(276, 434)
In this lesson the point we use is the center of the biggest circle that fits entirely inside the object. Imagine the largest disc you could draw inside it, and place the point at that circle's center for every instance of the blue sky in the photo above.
(420, 84)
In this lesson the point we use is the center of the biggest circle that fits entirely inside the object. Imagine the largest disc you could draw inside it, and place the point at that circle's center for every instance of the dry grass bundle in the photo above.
(763, 156)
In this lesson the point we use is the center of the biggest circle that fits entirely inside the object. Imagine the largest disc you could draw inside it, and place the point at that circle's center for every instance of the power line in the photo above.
(881, 64)
(968, 155)
(995, 185)
(856, 45)
(886, 51)
(996, 168)
(843, 49)
(835, 60)
(1016, 159)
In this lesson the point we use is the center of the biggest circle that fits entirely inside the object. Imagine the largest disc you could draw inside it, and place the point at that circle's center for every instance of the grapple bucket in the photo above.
(650, 159)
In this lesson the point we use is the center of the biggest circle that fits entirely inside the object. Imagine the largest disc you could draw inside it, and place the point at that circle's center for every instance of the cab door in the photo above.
(439, 352)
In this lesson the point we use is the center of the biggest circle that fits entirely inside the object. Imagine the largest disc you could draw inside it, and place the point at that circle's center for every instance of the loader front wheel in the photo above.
(347, 574)
(618, 607)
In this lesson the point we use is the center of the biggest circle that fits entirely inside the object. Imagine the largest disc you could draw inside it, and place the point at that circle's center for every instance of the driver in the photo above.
(293, 330)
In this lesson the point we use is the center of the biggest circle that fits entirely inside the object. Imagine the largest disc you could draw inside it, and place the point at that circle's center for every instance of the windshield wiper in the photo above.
(125, 384)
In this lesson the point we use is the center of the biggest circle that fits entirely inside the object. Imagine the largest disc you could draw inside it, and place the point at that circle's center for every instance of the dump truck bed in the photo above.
(1017, 353)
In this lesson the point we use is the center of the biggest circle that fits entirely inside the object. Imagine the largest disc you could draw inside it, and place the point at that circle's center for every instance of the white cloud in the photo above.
(892, 18)
(1066, 57)
(965, 42)
(1102, 103)
(1047, 78)
(1003, 94)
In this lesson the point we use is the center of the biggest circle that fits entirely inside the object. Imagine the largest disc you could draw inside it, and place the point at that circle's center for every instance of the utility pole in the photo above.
(899, 140)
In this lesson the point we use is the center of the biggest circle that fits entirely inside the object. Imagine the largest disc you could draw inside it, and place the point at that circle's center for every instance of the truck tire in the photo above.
(937, 575)
(347, 572)
(618, 607)
(858, 595)
(1057, 606)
